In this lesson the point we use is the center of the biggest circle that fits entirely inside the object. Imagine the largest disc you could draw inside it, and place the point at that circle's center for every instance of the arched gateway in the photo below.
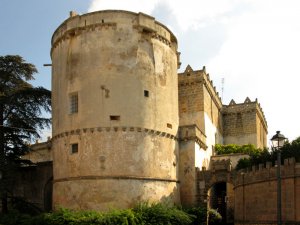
(215, 189)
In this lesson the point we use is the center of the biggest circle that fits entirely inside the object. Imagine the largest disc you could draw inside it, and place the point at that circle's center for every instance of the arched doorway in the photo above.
(221, 198)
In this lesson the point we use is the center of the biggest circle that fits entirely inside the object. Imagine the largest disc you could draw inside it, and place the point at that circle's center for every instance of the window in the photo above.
(146, 93)
(169, 125)
(74, 148)
(114, 117)
(74, 103)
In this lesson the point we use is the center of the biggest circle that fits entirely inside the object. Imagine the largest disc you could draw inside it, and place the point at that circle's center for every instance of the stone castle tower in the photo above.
(126, 127)
(115, 111)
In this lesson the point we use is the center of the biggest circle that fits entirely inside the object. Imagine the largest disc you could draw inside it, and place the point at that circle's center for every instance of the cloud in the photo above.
(187, 14)
(253, 44)
(130, 5)
(259, 59)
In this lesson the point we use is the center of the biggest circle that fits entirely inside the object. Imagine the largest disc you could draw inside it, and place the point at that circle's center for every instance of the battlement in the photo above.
(245, 107)
(192, 77)
(103, 20)
(267, 172)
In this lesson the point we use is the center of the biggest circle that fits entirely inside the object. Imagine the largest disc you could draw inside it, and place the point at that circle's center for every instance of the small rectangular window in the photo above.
(169, 125)
(74, 148)
(74, 103)
(146, 93)
(114, 117)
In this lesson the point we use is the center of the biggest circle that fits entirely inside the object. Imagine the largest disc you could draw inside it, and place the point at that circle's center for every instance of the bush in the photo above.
(161, 215)
(232, 149)
(214, 217)
(260, 156)
(144, 214)
(198, 214)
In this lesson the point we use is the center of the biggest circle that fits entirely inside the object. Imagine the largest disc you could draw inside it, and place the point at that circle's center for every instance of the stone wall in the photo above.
(121, 67)
(244, 123)
(40, 152)
(34, 184)
(256, 195)
(233, 158)
(127, 171)
(197, 96)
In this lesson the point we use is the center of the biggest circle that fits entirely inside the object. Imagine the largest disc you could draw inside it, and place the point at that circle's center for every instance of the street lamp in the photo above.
(277, 142)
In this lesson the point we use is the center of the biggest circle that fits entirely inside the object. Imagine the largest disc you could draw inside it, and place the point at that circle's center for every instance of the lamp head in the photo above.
(278, 140)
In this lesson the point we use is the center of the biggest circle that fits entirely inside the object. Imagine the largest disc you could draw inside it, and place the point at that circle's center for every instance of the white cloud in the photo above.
(130, 5)
(253, 44)
(259, 59)
(187, 14)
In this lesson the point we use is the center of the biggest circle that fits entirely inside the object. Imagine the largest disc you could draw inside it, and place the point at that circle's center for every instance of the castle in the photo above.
(126, 126)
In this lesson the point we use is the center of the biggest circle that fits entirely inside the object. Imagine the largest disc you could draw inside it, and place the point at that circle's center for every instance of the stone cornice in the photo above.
(192, 132)
(117, 177)
(114, 129)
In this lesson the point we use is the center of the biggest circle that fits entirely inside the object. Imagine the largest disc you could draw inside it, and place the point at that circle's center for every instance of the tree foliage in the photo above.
(289, 150)
(21, 112)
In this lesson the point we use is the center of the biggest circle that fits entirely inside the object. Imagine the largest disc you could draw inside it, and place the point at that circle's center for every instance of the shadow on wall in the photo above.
(172, 199)
(33, 184)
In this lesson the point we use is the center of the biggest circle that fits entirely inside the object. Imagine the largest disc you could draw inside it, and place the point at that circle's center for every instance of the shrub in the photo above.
(160, 214)
(143, 214)
(198, 215)
(233, 148)
(214, 217)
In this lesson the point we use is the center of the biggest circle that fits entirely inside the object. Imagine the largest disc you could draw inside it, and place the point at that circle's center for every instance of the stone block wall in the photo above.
(40, 152)
(244, 123)
(256, 195)
(34, 184)
(198, 96)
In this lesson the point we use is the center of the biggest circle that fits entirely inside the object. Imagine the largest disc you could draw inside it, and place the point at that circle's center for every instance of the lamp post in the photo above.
(277, 142)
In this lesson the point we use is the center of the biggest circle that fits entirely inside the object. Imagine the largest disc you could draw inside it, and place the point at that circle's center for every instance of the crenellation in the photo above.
(244, 118)
(266, 171)
(259, 189)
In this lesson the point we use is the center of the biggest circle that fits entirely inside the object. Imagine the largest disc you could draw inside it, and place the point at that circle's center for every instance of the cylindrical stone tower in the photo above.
(115, 111)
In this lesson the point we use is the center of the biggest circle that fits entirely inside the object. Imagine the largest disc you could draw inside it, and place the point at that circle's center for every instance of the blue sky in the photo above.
(253, 44)
(27, 27)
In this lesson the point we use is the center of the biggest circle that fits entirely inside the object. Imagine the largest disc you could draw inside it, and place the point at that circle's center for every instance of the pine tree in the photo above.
(21, 115)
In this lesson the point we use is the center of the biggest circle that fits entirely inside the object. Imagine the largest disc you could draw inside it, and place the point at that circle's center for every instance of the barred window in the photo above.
(74, 103)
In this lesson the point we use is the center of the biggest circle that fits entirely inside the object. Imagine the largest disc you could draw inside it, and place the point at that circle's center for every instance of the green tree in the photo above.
(289, 150)
(21, 115)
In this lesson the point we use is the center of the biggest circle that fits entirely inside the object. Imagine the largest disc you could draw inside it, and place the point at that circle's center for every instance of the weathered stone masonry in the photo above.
(127, 127)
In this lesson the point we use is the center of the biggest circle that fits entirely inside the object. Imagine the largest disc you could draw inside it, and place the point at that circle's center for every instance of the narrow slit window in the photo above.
(74, 148)
(74, 103)
(146, 93)
(116, 118)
